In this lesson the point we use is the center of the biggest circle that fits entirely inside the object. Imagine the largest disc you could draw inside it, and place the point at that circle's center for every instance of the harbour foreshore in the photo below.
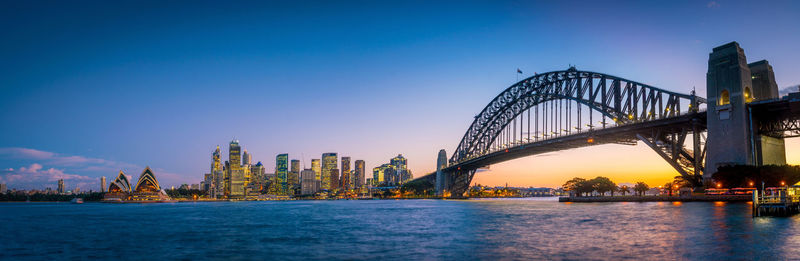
(692, 198)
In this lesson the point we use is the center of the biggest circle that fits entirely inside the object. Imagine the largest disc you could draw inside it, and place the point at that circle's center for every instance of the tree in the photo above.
(641, 188)
(572, 184)
(585, 186)
(603, 185)
(624, 189)
(668, 187)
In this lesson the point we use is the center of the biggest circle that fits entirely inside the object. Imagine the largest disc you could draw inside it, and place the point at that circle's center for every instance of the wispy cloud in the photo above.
(712, 4)
(56, 159)
(786, 90)
(79, 171)
(37, 174)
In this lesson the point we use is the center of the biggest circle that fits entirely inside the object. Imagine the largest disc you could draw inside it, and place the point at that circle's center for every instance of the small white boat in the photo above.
(77, 201)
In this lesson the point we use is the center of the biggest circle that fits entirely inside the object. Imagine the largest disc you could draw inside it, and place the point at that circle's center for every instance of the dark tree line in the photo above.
(94, 196)
(740, 176)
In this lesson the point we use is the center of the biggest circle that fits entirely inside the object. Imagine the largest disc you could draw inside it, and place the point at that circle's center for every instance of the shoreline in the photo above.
(693, 198)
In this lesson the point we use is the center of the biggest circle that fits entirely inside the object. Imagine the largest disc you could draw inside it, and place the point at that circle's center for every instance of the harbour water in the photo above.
(488, 229)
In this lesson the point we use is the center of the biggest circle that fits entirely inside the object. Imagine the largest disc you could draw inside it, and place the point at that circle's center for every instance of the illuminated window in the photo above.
(748, 95)
(724, 97)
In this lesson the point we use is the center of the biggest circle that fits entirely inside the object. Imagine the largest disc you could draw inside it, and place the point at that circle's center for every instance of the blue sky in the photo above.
(125, 84)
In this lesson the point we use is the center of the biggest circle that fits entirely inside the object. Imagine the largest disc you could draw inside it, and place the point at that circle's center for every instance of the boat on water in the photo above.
(77, 201)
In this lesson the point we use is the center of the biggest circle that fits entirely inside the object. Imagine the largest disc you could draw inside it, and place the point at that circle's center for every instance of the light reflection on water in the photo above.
(486, 229)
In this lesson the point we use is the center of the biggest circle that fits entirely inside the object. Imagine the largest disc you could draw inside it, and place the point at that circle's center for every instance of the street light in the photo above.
(783, 183)
(719, 185)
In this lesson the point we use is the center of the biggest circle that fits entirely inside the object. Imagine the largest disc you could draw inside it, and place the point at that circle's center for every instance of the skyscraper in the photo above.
(294, 176)
(4, 188)
(334, 179)
(61, 186)
(401, 167)
(328, 164)
(308, 182)
(235, 153)
(246, 158)
(345, 177)
(384, 175)
(281, 173)
(235, 174)
(217, 186)
(359, 168)
(103, 184)
(316, 168)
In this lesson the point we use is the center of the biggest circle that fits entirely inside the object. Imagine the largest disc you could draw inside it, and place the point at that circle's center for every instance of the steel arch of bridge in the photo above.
(619, 100)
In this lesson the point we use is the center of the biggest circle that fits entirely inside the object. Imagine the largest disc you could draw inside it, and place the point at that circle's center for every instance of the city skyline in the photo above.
(84, 100)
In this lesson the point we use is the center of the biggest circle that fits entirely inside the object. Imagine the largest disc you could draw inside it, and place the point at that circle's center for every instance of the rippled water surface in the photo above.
(396, 230)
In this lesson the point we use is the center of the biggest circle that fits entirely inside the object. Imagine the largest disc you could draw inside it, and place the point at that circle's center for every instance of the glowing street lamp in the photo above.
(719, 185)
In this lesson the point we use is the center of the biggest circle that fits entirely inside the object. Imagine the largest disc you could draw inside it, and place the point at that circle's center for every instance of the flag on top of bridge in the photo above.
(519, 71)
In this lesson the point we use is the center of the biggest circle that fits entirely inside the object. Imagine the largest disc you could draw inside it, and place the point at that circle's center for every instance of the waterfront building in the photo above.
(359, 174)
(4, 188)
(328, 164)
(103, 184)
(147, 188)
(61, 186)
(345, 178)
(120, 189)
(308, 182)
(281, 174)
(316, 168)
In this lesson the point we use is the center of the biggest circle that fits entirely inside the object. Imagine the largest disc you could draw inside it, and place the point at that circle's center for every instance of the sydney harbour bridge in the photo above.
(743, 121)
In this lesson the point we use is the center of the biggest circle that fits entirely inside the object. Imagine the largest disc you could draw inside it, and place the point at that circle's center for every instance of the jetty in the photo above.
(781, 202)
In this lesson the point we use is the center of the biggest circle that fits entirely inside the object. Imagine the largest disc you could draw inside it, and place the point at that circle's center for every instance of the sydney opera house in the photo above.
(147, 189)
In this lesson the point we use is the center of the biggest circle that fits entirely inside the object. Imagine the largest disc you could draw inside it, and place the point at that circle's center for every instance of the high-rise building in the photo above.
(3, 188)
(217, 184)
(61, 186)
(401, 167)
(359, 173)
(334, 179)
(207, 184)
(309, 184)
(281, 173)
(316, 168)
(295, 166)
(235, 174)
(384, 175)
(293, 179)
(246, 158)
(328, 164)
(257, 174)
(103, 184)
(345, 177)
(235, 153)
